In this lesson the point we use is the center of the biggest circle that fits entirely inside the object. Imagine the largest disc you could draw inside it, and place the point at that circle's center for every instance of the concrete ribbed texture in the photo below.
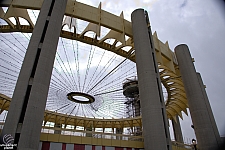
(31, 91)
(205, 130)
(154, 120)
(177, 130)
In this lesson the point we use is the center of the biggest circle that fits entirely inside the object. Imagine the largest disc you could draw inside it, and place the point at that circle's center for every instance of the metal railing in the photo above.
(82, 133)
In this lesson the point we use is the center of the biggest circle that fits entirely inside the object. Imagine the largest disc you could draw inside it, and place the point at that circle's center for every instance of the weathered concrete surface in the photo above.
(204, 127)
(26, 112)
(154, 120)
(177, 130)
(209, 109)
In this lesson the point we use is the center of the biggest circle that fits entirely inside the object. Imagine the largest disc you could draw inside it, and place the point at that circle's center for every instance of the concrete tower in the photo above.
(154, 119)
(177, 130)
(202, 117)
(26, 112)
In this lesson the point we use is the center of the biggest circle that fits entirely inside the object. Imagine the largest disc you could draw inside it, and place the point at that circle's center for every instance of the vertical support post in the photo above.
(137, 108)
(90, 129)
(177, 130)
(26, 112)
(119, 131)
(154, 119)
(137, 112)
(209, 109)
(57, 131)
(206, 131)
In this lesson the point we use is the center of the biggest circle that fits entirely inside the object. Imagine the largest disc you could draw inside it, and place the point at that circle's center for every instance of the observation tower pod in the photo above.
(130, 87)
(131, 92)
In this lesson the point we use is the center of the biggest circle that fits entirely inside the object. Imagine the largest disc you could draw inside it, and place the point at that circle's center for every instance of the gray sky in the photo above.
(200, 25)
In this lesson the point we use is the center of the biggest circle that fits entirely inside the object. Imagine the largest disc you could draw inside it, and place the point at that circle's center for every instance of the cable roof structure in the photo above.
(78, 67)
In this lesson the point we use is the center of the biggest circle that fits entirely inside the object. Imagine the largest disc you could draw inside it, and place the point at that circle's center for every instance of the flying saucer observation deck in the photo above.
(130, 88)
(121, 31)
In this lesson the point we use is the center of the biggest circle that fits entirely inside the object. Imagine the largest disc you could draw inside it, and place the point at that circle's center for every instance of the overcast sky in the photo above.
(200, 25)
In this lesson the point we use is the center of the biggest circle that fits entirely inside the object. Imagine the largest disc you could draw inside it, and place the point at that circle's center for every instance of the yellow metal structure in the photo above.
(119, 28)
(97, 138)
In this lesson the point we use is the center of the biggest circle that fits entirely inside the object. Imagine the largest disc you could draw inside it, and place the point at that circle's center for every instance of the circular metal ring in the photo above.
(71, 95)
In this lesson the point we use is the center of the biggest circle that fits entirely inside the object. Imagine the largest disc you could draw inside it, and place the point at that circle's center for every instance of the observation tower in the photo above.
(74, 76)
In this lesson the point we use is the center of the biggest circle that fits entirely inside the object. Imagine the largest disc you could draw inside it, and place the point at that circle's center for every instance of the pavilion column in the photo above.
(201, 113)
(210, 113)
(154, 119)
(177, 130)
(26, 112)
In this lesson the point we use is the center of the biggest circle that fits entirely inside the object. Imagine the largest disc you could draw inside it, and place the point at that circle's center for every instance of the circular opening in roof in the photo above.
(82, 98)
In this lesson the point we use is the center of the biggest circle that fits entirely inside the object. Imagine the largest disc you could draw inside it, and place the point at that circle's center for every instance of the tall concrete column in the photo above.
(26, 112)
(201, 115)
(154, 119)
(177, 130)
(210, 113)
